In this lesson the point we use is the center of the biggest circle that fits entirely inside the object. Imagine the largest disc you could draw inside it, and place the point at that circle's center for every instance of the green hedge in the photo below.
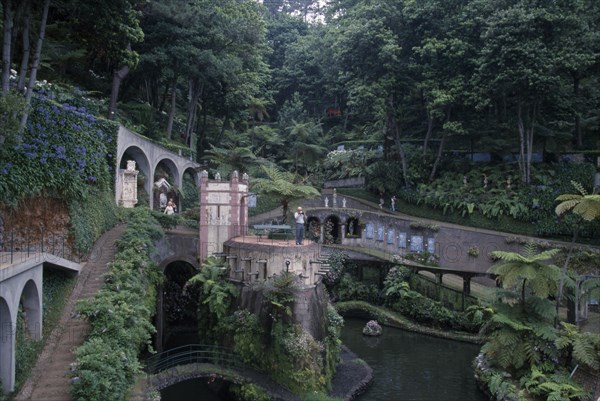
(120, 316)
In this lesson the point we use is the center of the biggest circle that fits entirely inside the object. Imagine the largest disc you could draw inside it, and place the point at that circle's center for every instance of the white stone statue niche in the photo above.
(162, 187)
(129, 185)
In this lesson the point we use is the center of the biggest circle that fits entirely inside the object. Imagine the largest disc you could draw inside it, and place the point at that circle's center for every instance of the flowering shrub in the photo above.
(62, 150)
(298, 344)
(372, 328)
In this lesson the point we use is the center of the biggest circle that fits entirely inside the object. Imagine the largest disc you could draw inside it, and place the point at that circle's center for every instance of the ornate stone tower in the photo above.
(223, 212)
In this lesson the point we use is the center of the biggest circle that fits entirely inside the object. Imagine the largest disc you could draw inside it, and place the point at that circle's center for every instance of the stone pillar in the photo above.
(8, 325)
(235, 200)
(203, 218)
(466, 286)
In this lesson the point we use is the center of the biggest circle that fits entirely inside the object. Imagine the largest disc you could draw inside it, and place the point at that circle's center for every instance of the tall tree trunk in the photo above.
(118, 76)
(7, 8)
(521, 126)
(578, 131)
(429, 132)
(37, 56)
(196, 89)
(563, 274)
(173, 107)
(394, 127)
(26, 47)
(438, 158)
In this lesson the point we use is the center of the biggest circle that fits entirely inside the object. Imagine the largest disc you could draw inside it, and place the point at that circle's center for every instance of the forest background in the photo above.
(451, 104)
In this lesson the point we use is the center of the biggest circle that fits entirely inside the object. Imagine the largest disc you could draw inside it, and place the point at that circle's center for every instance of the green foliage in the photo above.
(395, 285)
(504, 389)
(280, 291)
(247, 336)
(351, 289)
(249, 392)
(295, 359)
(584, 205)
(64, 151)
(92, 216)
(216, 292)
(553, 387)
(120, 315)
(11, 107)
(528, 269)
(340, 164)
(584, 347)
(429, 312)
(318, 396)
(282, 185)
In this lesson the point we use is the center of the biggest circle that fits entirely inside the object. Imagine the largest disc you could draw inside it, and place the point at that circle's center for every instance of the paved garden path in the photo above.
(50, 378)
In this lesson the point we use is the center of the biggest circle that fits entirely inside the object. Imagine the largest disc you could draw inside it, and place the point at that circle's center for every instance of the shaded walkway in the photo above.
(50, 378)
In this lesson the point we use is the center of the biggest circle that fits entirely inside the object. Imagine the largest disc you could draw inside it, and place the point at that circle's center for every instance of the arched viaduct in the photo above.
(21, 287)
(148, 156)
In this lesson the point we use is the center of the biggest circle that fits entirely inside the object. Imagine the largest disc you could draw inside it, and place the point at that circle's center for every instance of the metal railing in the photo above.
(19, 245)
(194, 353)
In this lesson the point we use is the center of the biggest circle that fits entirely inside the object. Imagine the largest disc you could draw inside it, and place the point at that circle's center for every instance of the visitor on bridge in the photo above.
(299, 217)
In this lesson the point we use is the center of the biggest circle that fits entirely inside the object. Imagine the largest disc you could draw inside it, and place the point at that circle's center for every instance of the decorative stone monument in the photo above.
(326, 200)
(334, 197)
(129, 185)
(223, 211)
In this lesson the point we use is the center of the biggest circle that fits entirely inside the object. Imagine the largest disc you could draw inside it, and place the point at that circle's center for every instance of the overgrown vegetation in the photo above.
(64, 152)
(522, 339)
(120, 316)
(270, 342)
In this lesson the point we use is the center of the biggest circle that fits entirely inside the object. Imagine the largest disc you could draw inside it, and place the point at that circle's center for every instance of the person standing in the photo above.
(299, 217)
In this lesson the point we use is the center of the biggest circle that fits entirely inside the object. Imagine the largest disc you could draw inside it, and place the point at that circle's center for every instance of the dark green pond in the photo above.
(414, 367)
(406, 366)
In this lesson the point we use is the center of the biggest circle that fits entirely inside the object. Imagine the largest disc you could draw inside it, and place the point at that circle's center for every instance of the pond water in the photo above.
(414, 367)
(406, 366)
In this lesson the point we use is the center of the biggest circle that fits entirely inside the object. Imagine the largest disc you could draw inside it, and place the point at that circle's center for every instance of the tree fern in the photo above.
(584, 205)
(282, 185)
(528, 269)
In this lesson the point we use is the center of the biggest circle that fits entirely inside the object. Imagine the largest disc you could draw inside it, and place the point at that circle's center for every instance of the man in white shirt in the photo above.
(299, 217)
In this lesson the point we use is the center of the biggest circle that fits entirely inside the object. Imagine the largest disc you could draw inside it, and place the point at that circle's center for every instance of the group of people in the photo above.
(392, 202)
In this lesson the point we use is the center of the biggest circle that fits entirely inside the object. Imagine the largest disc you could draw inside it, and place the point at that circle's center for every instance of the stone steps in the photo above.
(50, 378)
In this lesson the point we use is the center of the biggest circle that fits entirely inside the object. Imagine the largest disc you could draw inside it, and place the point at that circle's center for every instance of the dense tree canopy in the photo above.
(510, 77)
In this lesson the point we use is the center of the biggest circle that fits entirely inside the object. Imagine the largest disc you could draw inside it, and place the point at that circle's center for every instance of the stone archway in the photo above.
(177, 306)
(31, 302)
(189, 188)
(332, 230)
(7, 346)
(142, 164)
(352, 227)
(313, 229)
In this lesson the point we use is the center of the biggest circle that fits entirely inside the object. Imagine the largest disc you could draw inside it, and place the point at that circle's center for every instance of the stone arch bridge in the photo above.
(148, 156)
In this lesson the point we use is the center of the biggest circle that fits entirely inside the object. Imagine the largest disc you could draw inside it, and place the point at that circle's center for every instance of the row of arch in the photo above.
(153, 162)
(332, 229)
(19, 295)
